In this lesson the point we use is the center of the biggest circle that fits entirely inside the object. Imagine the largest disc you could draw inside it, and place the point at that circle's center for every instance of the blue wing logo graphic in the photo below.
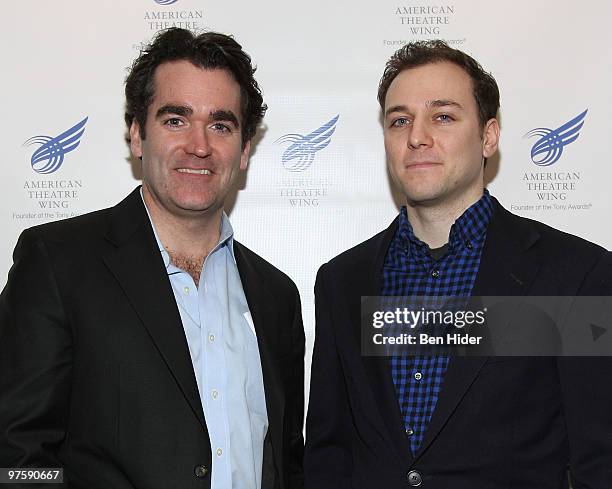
(50, 156)
(165, 2)
(301, 152)
(549, 147)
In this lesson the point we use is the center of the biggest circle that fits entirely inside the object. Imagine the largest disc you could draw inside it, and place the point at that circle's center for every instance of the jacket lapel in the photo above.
(377, 367)
(507, 268)
(260, 301)
(137, 265)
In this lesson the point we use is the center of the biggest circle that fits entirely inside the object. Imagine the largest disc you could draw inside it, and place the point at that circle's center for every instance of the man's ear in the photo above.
(244, 157)
(135, 139)
(490, 138)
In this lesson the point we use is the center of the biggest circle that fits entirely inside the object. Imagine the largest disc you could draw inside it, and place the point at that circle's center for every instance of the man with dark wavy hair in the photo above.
(440, 421)
(142, 346)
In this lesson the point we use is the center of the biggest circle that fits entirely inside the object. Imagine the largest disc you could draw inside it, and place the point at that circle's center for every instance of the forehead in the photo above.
(433, 81)
(181, 82)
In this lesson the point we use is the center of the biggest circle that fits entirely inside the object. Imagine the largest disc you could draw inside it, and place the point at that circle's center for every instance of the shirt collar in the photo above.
(226, 236)
(471, 226)
(468, 230)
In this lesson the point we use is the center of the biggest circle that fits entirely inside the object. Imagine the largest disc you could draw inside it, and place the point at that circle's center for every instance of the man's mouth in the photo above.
(421, 164)
(193, 171)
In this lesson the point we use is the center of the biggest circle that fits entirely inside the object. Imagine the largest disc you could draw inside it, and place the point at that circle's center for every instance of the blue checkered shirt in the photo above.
(410, 270)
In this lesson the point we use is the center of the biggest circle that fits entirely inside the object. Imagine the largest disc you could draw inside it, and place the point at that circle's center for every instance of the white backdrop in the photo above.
(65, 60)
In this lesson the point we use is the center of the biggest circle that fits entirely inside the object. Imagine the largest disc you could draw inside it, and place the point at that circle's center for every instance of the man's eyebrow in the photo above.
(396, 108)
(428, 104)
(174, 109)
(444, 103)
(225, 115)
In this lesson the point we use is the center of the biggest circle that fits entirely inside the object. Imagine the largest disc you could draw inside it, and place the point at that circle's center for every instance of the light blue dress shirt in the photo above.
(223, 347)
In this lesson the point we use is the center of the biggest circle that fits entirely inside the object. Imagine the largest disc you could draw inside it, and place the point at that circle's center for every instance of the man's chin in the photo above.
(195, 207)
(198, 208)
(423, 197)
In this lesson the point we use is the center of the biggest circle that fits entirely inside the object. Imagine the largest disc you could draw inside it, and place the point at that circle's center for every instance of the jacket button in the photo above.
(200, 471)
(414, 478)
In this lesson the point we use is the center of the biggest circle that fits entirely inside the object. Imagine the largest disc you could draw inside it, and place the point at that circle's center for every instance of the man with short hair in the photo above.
(142, 346)
(441, 421)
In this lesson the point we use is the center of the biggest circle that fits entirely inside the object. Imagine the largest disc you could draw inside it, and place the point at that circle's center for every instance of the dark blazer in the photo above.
(500, 422)
(95, 372)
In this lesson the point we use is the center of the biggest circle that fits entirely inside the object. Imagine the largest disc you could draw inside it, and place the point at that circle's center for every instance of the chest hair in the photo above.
(190, 264)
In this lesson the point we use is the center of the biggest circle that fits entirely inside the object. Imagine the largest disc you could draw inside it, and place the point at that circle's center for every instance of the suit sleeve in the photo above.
(587, 400)
(328, 460)
(35, 361)
(296, 423)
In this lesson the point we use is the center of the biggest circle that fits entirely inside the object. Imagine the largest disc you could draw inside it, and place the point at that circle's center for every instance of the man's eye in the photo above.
(173, 122)
(220, 127)
(399, 122)
(445, 118)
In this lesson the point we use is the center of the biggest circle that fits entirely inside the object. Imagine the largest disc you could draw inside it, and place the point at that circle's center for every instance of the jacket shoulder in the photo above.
(273, 276)
(71, 229)
(365, 252)
(561, 257)
(557, 243)
(114, 223)
(569, 241)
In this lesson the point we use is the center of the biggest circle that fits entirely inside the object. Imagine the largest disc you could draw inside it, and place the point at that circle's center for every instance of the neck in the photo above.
(432, 223)
(186, 236)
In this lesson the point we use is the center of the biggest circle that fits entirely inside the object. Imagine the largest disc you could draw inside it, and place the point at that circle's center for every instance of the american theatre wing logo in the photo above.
(301, 151)
(548, 148)
(50, 155)
(165, 2)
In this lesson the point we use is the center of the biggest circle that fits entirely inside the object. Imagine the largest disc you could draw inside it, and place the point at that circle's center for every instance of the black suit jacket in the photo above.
(500, 422)
(95, 372)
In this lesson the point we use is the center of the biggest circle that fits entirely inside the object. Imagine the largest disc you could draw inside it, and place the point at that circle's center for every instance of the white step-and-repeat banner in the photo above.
(319, 63)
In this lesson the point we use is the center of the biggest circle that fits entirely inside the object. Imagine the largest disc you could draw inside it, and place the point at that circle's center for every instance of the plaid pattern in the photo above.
(409, 270)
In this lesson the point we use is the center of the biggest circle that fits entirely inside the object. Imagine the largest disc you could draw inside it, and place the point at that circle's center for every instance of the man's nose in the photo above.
(420, 134)
(198, 143)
